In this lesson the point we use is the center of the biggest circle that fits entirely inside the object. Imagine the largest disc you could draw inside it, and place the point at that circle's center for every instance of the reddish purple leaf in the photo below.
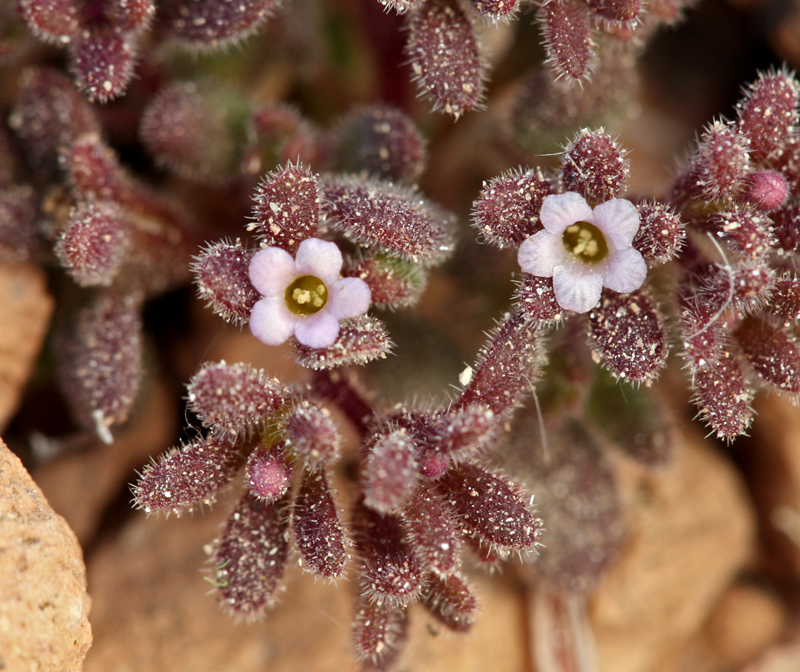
(594, 165)
(784, 303)
(722, 161)
(745, 231)
(390, 473)
(398, 220)
(432, 531)
(49, 114)
(772, 352)
(627, 330)
(766, 190)
(786, 227)
(381, 141)
(445, 56)
(234, 398)
(94, 172)
(250, 556)
(575, 488)
(461, 433)
(132, 16)
(379, 634)
(282, 136)
(103, 61)
(394, 282)
(567, 38)
(221, 274)
(390, 571)
(661, 233)
(507, 211)
(497, 9)
(287, 207)
(102, 365)
(311, 436)
(745, 288)
(199, 131)
(19, 236)
(452, 602)
(768, 113)
(268, 475)
(723, 397)
(53, 21)
(361, 340)
(320, 538)
(93, 245)
(186, 476)
(537, 299)
(622, 11)
(491, 507)
(211, 24)
(507, 366)
(703, 340)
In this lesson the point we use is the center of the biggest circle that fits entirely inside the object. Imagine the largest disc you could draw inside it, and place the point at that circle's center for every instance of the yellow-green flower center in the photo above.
(585, 242)
(306, 295)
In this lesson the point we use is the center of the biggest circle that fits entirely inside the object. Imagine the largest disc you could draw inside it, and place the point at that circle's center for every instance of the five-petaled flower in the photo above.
(304, 296)
(585, 249)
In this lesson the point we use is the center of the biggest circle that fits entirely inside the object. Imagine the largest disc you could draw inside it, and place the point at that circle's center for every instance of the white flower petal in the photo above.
(348, 297)
(562, 210)
(271, 322)
(319, 258)
(541, 253)
(625, 271)
(575, 289)
(271, 271)
(317, 331)
(619, 220)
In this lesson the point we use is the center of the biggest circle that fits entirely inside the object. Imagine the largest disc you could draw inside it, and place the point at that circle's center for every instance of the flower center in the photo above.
(306, 295)
(585, 242)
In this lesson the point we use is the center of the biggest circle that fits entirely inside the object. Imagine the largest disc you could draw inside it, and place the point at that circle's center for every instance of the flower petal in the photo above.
(319, 258)
(625, 271)
(317, 331)
(349, 297)
(562, 210)
(271, 322)
(271, 271)
(619, 220)
(541, 253)
(575, 290)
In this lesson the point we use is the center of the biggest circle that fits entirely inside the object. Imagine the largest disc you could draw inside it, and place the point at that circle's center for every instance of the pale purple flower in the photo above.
(304, 297)
(585, 249)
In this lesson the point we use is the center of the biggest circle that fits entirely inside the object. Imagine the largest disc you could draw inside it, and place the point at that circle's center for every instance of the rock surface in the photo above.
(25, 309)
(690, 529)
(772, 461)
(43, 602)
(745, 622)
(780, 659)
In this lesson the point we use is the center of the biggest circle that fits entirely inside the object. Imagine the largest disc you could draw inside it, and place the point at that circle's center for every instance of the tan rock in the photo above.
(780, 659)
(745, 622)
(773, 468)
(152, 612)
(690, 528)
(25, 310)
(44, 607)
(696, 656)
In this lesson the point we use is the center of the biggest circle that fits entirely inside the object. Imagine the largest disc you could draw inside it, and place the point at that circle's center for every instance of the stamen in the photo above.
(306, 295)
(585, 242)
